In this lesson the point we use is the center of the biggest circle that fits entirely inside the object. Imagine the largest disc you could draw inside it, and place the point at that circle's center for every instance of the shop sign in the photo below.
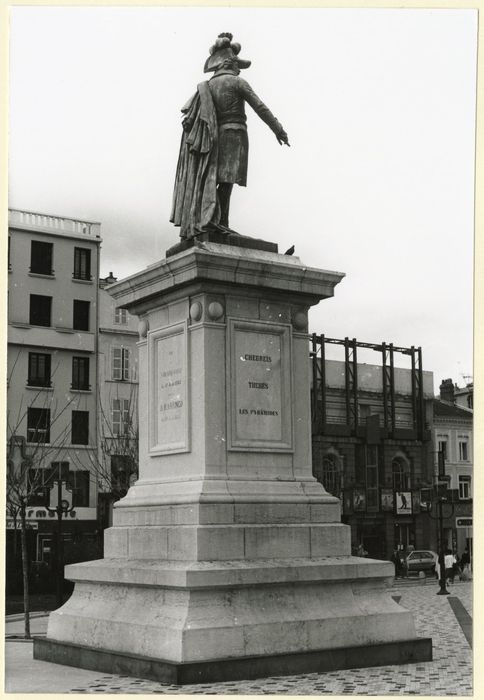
(463, 522)
(16, 525)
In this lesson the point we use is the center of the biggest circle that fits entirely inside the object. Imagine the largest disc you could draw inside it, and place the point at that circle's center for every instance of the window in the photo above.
(38, 425)
(80, 373)
(82, 264)
(78, 483)
(463, 451)
(331, 476)
(39, 369)
(80, 316)
(120, 316)
(365, 411)
(120, 416)
(442, 447)
(58, 471)
(372, 478)
(120, 361)
(80, 428)
(464, 487)
(400, 475)
(40, 310)
(38, 488)
(41, 258)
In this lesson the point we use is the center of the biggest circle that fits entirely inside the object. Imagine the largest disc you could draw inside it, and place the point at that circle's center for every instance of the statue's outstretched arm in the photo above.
(263, 111)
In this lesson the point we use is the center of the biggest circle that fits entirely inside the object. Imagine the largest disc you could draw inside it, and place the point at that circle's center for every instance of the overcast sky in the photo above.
(379, 106)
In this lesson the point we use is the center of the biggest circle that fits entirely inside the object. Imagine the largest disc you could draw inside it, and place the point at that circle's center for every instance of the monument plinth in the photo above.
(227, 559)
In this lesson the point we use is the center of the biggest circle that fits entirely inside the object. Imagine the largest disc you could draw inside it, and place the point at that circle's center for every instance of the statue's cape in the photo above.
(195, 196)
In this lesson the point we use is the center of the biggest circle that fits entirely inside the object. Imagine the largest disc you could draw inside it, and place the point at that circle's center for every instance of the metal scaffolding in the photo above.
(319, 394)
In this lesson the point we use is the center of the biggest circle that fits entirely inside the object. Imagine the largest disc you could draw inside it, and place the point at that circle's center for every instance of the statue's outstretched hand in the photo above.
(282, 138)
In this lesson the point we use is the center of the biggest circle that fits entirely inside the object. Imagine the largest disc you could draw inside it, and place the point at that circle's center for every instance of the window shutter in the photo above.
(126, 364)
(116, 361)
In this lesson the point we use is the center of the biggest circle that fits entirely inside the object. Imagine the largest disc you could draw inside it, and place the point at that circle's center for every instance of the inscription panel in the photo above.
(259, 381)
(168, 390)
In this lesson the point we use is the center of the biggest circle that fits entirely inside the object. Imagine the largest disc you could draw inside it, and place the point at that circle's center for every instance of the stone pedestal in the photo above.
(227, 559)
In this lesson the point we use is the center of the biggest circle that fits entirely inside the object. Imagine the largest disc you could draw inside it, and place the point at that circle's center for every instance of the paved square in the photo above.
(450, 673)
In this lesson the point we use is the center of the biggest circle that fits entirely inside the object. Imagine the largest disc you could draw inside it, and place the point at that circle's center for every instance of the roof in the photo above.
(450, 410)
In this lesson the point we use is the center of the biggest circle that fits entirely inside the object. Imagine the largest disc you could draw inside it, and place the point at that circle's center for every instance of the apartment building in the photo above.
(52, 375)
(452, 438)
(118, 400)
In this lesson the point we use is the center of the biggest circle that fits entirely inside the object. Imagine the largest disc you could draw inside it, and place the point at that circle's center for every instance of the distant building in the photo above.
(53, 267)
(452, 437)
(118, 400)
(461, 396)
(372, 443)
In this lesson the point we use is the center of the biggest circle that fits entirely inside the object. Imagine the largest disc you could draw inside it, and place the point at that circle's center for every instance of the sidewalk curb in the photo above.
(18, 638)
(17, 617)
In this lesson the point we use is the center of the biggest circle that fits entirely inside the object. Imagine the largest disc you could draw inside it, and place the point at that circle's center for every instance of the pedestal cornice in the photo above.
(224, 267)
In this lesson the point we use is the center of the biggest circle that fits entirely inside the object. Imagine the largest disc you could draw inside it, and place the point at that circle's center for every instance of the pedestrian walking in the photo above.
(457, 566)
(397, 562)
(465, 563)
(449, 561)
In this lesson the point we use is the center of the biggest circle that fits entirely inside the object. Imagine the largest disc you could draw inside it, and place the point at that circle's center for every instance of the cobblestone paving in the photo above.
(450, 673)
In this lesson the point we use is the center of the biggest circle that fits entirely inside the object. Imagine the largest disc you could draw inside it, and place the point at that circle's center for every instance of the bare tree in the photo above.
(115, 465)
(26, 478)
(27, 457)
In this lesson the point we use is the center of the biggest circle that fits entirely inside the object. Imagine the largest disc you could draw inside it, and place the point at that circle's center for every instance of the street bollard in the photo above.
(422, 577)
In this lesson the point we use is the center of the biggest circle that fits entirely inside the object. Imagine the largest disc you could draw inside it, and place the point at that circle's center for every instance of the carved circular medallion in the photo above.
(143, 327)
(299, 320)
(196, 310)
(215, 310)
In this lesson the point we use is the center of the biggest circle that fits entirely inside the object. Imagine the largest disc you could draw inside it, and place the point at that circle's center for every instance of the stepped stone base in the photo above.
(219, 670)
(174, 619)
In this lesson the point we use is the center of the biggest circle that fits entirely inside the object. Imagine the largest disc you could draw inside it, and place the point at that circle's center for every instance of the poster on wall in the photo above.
(387, 500)
(403, 503)
(359, 500)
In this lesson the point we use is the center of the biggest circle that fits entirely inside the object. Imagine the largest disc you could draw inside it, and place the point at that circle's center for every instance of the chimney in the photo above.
(104, 281)
(447, 390)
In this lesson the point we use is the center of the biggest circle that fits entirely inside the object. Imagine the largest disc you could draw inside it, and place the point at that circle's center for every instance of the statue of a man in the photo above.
(214, 148)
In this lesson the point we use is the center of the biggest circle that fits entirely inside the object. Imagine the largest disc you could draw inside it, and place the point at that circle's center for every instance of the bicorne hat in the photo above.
(224, 49)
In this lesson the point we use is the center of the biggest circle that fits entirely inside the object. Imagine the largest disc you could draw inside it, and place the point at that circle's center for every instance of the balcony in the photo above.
(49, 337)
(61, 225)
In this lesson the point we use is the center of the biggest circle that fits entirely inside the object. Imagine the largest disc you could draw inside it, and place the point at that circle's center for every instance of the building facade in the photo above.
(372, 443)
(452, 435)
(52, 375)
(118, 401)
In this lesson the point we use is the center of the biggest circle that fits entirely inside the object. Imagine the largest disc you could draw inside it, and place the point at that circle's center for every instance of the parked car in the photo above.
(420, 560)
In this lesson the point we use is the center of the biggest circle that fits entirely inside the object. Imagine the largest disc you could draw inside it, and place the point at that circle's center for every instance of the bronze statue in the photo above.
(214, 147)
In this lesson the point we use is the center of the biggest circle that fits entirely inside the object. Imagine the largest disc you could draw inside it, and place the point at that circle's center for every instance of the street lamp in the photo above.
(64, 506)
(440, 494)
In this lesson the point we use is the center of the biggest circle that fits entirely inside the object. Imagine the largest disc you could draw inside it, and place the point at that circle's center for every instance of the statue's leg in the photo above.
(224, 190)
